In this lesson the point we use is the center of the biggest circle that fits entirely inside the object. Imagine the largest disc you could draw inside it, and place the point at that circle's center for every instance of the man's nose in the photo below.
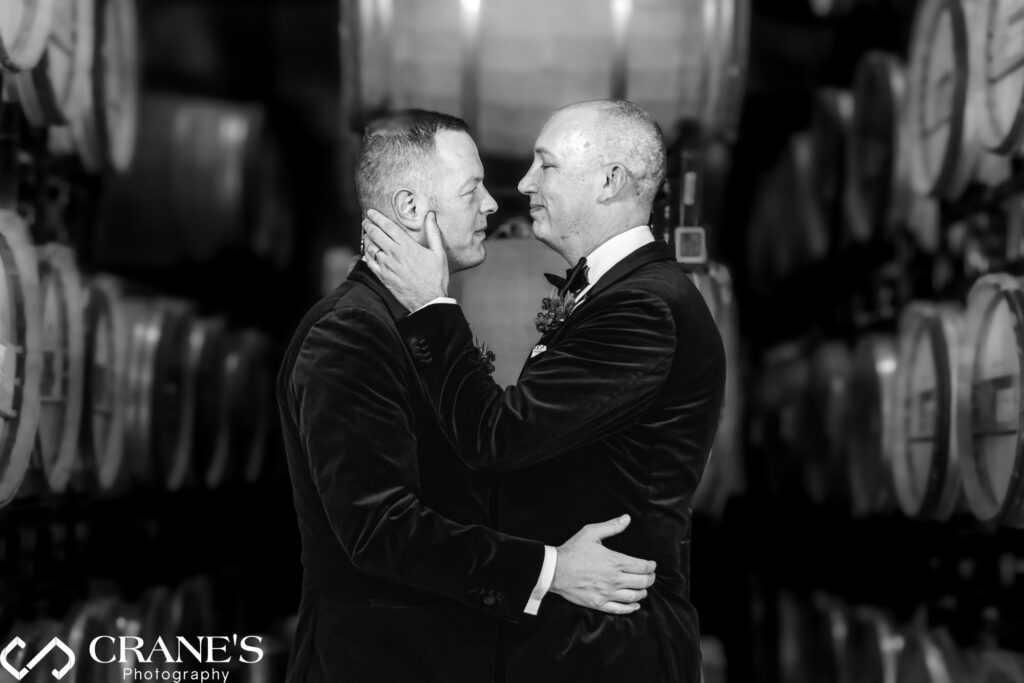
(489, 206)
(526, 185)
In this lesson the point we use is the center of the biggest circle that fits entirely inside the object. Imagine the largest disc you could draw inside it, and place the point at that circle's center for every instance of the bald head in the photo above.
(619, 131)
(596, 168)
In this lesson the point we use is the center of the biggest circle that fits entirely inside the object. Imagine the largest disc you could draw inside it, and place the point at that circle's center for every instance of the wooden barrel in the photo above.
(158, 426)
(24, 27)
(249, 385)
(873, 647)
(62, 385)
(944, 111)
(878, 179)
(505, 65)
(871, 426)
(57, 90)
(930, 658)
(106, 351)
(502, 298)
(991, 448)
(206, 180)
(104, 133)
(941, 127)
(208, 348)
(830, 139)
(723, 476)
(1003, 77)
(926, 458)
(822, 434)
(235, 407)
(20, 352)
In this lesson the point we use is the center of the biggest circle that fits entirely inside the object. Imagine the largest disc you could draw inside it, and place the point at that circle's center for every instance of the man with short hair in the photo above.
(616, 408)
(395, 543)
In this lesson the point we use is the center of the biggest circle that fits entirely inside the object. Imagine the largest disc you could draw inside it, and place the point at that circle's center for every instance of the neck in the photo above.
(591, 240)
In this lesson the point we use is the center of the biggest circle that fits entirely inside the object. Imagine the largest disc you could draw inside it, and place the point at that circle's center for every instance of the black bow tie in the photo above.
(575, 278)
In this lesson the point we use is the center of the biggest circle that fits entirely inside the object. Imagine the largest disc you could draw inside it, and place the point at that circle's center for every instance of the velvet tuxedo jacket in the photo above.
(617, 415)
(402, 579)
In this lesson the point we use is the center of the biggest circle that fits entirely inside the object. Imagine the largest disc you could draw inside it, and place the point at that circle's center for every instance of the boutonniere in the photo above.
(486, 356)
(554, 310)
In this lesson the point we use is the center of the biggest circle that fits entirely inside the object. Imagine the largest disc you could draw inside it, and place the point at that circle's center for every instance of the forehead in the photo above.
(571, 131)
(457, 153)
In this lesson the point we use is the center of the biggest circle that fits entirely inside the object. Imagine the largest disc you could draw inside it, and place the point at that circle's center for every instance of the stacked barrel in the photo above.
(822, 638)
(907, 135)
(73, 66)
(887, 419)
(107, 387)
(133, 404)
(924, 419)
(920, 414)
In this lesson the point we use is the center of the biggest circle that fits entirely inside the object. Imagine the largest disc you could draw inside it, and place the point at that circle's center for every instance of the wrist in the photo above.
(556, 580)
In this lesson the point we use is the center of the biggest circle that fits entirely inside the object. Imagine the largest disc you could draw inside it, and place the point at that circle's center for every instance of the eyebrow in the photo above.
(542, 150)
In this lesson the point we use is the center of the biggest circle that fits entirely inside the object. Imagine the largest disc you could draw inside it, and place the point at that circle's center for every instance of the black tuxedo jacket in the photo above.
(394, 547)
(617, 415)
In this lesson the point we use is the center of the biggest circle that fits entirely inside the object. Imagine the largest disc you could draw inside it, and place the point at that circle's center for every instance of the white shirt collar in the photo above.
(604, 258)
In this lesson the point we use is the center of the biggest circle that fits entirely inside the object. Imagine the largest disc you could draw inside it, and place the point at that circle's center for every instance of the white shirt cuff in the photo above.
(438, 300)
(547, 575)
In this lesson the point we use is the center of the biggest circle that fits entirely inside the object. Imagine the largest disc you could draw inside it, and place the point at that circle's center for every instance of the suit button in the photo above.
(489, 601)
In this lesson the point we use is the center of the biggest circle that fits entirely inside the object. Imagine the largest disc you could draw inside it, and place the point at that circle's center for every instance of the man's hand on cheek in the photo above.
(415, 275)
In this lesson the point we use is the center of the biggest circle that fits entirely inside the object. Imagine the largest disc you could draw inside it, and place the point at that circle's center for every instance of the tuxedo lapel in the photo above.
(362, 274)
(649, 253)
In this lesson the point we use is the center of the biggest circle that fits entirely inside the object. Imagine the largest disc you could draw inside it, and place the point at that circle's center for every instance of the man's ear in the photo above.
(616, 179)
(403, 202)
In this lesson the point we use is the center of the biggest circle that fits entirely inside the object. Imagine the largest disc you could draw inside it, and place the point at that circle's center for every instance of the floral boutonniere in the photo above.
(486, 356)
(554, 310)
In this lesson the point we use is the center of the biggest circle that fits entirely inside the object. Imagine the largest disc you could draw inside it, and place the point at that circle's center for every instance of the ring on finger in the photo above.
(376, 254)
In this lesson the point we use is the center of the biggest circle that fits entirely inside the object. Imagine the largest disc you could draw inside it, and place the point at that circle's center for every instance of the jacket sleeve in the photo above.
(597, 378)
(358, 428)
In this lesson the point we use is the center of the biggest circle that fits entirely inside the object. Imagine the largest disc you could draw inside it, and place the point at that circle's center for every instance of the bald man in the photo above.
(616, 408)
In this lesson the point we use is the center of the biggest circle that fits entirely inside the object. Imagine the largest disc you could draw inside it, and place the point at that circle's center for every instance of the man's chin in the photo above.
(468, 262)
(540, 230)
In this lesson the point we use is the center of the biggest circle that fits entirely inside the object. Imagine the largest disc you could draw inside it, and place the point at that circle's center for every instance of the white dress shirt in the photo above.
(599, 262)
